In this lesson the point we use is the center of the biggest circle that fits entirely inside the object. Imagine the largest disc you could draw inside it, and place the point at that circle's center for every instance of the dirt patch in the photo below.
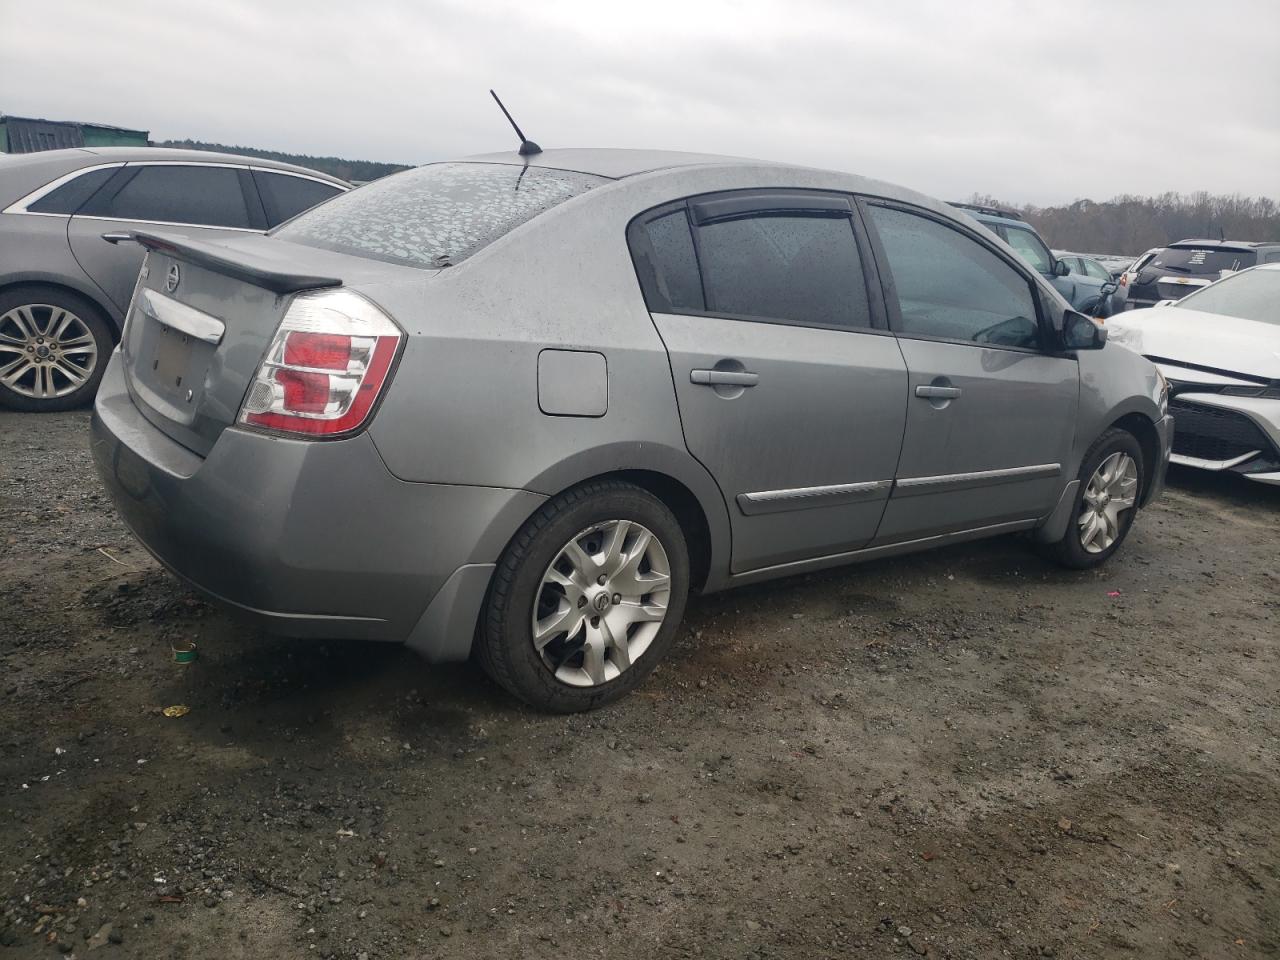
(968, 753)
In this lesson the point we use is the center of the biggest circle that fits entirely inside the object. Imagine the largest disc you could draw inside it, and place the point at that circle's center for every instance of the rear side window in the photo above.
(674, 282)
(951, 287)
(436, 215)
(201, 196)
(285, 196)
(69, 197)
(802, 269)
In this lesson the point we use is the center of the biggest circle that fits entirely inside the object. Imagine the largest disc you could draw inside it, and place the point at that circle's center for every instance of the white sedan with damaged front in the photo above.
(1220, 350)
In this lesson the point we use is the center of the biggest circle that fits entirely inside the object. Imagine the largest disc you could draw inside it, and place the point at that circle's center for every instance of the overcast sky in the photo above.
(1030, 102)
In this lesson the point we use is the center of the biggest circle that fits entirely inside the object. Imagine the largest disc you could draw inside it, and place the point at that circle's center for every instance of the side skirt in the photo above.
(884, 550)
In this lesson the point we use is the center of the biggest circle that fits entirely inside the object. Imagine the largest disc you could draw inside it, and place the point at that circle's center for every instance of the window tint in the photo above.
(284, 196)
(673, 284)
(208, 196)
(1203, 261)
(68, 197)
(804, 269)
(1030, 248)
(952, 287)
(436, 215)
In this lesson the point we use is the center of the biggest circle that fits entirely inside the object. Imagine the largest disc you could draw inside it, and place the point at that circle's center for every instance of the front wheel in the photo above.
(586, 599)
(1111, 481)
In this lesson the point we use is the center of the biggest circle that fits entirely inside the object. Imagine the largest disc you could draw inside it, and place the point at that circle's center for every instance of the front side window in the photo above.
(1031, 248)
(201, 196)
(951, 287)
(801, 269)
(437, 215)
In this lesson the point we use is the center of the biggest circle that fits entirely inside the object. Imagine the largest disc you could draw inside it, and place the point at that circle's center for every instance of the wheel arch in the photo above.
(1143, 429)
(60, 282)
(675, 478)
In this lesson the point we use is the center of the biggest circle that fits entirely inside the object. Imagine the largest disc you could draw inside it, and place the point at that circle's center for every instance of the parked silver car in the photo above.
(522, 406)
(64, 281)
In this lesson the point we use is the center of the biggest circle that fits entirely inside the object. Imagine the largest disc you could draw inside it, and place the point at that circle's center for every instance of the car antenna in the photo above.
(527, 147)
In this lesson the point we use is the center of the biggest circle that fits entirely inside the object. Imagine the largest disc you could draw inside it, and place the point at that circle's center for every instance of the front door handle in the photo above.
(930, 392)
(118, 237)
(733, 378)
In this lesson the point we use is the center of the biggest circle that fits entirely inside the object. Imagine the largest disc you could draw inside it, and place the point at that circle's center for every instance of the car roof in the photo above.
(614, 163)
(59, 162)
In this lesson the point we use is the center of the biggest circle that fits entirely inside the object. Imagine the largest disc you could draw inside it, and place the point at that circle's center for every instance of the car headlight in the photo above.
(1162, 392)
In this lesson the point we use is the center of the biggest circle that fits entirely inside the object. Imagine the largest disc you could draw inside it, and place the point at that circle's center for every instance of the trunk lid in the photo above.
(201, 318)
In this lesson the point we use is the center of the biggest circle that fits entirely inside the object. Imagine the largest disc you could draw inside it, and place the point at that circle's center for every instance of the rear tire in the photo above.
(1112, 478)
(586, 599)
(54, 347)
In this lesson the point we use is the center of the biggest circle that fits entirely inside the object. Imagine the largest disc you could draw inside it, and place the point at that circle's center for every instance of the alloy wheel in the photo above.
(601, 602)
(1112, 490)
(46, 351)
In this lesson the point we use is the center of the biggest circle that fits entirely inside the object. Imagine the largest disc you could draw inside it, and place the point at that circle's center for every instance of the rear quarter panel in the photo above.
(33, 249)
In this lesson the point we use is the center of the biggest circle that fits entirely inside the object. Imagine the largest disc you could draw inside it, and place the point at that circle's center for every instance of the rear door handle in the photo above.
(930, 392)
(118, 237)
(731, 377)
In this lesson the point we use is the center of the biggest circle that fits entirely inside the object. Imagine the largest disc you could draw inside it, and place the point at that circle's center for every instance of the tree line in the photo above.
(354, 171)
(1130, 225)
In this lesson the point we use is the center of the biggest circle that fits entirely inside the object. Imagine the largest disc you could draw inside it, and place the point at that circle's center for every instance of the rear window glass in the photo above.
(435, 215)
(286, 196)
(1031, 248)
(1186, 260)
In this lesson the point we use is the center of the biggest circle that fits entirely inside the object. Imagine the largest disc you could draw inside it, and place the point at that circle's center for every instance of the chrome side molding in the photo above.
(913, 486)
(800, 498)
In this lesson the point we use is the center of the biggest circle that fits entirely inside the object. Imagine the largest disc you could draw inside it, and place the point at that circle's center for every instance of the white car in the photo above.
(1220, 350)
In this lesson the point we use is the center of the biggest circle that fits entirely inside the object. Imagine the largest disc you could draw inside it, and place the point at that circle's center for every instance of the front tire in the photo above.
(587, 598)
(54, 347)
(1112, 478)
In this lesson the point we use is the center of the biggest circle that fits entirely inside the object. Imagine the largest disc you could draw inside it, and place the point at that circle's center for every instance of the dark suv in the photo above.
(1184, 267)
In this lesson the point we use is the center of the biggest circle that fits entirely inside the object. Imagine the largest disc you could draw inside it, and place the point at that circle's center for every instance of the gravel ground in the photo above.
(967, 753)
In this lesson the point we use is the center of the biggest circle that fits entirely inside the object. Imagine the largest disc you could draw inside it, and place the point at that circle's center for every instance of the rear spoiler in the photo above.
(274, 273)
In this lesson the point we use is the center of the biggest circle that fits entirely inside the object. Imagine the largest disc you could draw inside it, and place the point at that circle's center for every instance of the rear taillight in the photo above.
(329, 361)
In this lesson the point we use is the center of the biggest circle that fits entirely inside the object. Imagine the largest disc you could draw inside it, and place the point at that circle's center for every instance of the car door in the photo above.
(196, 199)
(991, 414)
(791, 391)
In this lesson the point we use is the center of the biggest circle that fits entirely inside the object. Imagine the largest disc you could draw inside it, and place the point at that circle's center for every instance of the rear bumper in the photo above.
(304, 538)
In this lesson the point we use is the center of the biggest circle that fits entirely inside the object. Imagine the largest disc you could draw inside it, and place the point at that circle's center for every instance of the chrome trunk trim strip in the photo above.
(180, 317)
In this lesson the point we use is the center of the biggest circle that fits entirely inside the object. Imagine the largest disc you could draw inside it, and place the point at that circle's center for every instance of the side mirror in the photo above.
(1109, 288)
(1081, 333)
(1060, 268)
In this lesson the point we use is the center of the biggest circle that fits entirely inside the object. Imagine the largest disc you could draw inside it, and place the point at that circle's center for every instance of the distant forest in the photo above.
(356, 171)
(1131, 225)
